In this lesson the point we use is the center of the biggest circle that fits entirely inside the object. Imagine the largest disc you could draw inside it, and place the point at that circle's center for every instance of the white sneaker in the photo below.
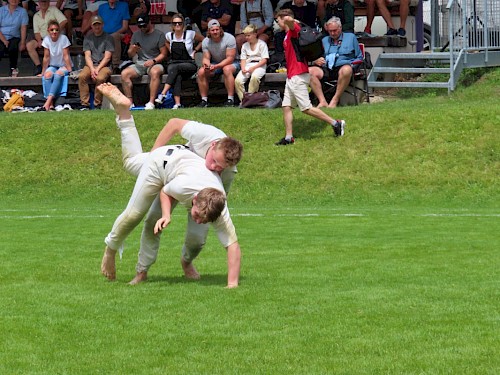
(159, 99)
(177, 106)
(132, 106)
(149, 106)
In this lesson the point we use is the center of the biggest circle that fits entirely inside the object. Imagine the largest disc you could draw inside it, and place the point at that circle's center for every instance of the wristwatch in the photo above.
(154, 61)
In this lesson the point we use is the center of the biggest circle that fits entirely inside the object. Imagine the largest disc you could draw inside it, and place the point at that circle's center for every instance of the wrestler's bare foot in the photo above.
(189, 270)
(139, 278)
(120, 102)
(322, 104)
(108, 267)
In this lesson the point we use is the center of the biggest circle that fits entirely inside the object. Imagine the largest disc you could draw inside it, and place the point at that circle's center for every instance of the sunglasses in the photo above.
(143, 27)
(177, 23)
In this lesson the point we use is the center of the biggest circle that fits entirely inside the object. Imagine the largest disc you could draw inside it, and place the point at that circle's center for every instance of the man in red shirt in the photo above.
(297, 81)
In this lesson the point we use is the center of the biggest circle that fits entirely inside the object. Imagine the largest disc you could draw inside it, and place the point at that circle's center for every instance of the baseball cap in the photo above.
(213, 23)
(142, 20)
(96, 19)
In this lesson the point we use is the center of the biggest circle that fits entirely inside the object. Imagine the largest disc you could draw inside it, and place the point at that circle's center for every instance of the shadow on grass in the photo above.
(206, 280)
(308, 127)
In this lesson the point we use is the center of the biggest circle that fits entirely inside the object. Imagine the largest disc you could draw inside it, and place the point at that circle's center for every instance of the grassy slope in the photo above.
(420, 151)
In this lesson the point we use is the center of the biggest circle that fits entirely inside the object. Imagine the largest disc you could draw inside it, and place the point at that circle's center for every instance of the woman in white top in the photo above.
(181, 49)
(56, 64)
(253, 60)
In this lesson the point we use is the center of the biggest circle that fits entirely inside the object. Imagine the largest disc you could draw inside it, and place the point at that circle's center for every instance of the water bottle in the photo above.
(80, 62)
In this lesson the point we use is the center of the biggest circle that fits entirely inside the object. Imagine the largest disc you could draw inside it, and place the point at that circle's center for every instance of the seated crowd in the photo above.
(111, 47)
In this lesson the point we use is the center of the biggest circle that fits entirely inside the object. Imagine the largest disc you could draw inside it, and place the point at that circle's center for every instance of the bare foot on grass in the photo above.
(322, 104)
(139, 278)
(108, 267)
(189, 270)
(120, 102)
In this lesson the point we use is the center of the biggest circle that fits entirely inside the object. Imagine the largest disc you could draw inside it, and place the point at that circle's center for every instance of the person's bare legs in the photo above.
(288, 119)
(120, 102)
(126, 77)
(139, 278)
(108, 266)
(345, 73)
(370, 15)
(319, 114)
(315, 83)
(203, 76)
(404, 9)
(189, 270)
(154, 84)
(228, 72)
(384, 12)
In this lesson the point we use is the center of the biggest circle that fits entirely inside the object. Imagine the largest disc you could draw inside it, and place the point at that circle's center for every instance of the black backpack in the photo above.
(310, 45)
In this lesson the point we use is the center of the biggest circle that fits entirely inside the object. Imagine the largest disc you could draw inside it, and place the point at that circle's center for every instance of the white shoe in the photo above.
(177, 106)
(159, 99)
(149, 106)
(132, 106)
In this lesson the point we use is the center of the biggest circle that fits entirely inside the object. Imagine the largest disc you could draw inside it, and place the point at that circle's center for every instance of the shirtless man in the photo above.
(182, 178)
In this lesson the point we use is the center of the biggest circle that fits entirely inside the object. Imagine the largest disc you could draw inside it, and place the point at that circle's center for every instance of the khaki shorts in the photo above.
(142, 70)
(297, 93)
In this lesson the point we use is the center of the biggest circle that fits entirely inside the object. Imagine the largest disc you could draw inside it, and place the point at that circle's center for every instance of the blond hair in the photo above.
(231, 148)
(210, 203)
(250, 29)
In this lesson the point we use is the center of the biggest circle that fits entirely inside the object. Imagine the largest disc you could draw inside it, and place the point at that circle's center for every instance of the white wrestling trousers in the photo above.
(133, 160)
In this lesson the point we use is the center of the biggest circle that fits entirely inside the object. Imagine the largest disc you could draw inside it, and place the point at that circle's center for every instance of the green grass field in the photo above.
(375, 253)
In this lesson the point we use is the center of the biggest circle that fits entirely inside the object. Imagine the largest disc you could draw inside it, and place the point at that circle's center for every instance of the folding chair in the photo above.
(359, 74)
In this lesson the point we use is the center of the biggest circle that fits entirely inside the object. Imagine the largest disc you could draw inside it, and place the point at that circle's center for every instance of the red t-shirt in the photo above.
(293, 67)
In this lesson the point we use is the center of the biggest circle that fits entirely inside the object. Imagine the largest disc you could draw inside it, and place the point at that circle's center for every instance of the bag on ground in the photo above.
(262, 99)
(16, 100)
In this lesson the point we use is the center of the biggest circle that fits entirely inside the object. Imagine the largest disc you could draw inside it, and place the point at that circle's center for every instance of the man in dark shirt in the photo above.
(220, 10)
(303, 11)
(342, 9)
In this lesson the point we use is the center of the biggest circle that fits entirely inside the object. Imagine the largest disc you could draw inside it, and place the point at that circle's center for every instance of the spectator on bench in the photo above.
(148, 47)
(13, 27)
(182, 45)
(220, 10)
(41, 19)
(404, 8)
(254, 56)
(341, 50)
(116, 17)
(91, 11)
(98, 47)
(342, 9)
(56, 65)
(259, 13)
(219, 57)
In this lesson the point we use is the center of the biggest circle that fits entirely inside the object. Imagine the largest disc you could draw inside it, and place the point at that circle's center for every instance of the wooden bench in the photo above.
(190, 92)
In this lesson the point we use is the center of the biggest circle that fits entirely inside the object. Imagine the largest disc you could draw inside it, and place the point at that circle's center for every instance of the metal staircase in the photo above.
(390, 64)
(472, 41)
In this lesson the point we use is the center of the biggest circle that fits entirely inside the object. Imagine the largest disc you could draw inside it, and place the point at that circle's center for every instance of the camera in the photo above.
(187, 22)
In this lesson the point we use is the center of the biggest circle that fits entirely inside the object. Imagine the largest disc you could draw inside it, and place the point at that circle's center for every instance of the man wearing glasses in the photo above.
(148, 46)
(341, 50)
(116, 17)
